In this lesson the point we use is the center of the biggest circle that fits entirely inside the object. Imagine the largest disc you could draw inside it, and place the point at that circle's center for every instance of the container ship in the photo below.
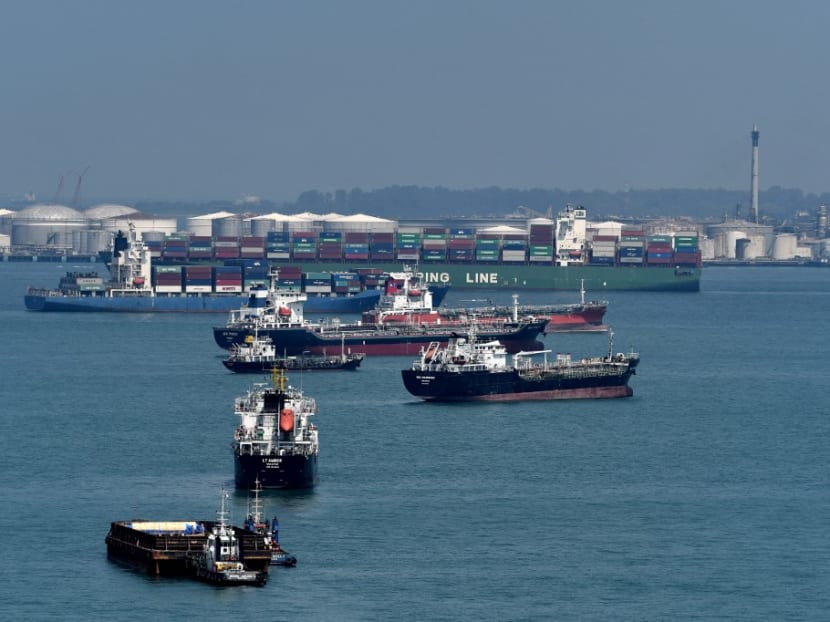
(275, 444)
(138, 285)
(549, 254)
(468, 369)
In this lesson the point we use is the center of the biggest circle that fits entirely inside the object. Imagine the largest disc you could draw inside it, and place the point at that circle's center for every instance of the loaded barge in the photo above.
(168, 547)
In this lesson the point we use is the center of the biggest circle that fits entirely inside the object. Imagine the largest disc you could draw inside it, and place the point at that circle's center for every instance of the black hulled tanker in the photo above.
(275, 443)
(470, 370)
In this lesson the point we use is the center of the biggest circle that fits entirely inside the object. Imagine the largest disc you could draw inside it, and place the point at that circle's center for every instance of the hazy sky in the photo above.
(202, 99)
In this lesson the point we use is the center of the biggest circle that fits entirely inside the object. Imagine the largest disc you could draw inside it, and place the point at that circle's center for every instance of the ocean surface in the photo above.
(703, 497)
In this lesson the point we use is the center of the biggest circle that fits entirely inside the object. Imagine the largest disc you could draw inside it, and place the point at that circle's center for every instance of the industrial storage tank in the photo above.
(108, 210)
(752, 247)
(143, 224)
(91, 241)
(6, 218)
(730, 243)
(362, 223)
(785, 246)
(233, 226)
(707, 248)
(47, 225)
(264, 224)
(726, 235)
(203, 225)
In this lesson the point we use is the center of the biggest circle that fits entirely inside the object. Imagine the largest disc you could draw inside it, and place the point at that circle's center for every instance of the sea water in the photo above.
(704, 496)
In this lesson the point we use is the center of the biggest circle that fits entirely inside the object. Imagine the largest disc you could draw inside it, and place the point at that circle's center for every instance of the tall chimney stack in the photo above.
(753, 210)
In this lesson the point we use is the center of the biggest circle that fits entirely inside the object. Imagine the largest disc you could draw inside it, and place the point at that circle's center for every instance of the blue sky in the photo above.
(195, 100)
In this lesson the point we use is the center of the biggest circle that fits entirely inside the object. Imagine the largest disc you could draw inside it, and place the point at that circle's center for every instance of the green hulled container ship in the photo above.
(536, 276)
(565, 253)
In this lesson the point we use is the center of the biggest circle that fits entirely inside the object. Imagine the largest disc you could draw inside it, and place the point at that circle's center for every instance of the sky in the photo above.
(193, 100)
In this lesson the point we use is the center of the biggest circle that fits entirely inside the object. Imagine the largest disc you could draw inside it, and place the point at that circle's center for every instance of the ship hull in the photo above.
(294, 471)
(394, 342)
(193, 303)
(524, 276)
(229, 578)
(509, 386)
(307, 364)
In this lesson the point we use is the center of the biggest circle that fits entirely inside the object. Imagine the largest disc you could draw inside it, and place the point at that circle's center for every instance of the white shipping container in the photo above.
(168, 289)
(231, 289)
(198, 289)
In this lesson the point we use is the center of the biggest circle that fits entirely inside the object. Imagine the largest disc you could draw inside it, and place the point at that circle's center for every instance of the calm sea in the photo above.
(705, 496)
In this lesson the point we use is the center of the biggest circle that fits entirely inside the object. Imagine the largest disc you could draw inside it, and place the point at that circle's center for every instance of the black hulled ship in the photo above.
(259, 355)
(471, 370)
(275, 443)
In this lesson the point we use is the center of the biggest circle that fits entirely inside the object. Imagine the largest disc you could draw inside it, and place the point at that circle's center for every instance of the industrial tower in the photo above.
(753, 211)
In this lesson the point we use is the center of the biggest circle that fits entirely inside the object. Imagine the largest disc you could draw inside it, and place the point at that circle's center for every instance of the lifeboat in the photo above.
(414, 293)
(138, 281)
(287, 420)
(284, 312)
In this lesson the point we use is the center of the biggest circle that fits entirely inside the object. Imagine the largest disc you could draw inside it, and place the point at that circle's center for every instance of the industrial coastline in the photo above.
(275, 445)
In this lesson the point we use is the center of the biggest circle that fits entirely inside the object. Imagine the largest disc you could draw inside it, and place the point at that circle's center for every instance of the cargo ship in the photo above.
(275, 444)
(136, 285)
(468, 369)
(556, 254)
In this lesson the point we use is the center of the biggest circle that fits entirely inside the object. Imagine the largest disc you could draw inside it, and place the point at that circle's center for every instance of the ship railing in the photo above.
(582, 369)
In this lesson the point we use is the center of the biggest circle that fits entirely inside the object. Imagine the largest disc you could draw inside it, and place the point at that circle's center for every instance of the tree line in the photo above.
(776, 205)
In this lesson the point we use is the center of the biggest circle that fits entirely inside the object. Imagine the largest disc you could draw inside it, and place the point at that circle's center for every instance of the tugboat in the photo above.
(255, 524)
(219, 563)
(469, 370)
(275, 443)
(259, 354)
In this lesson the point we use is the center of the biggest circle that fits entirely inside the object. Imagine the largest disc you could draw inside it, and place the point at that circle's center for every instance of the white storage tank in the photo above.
(707, 248)
(731, 243)
(785, 246)
(142, 223)
(203, 225)
(46, 225)
(261, 226)
(234, 226)
(361, 223)
(91, 241)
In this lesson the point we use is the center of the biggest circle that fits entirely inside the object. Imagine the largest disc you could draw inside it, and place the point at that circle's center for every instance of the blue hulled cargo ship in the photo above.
(136, 285)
